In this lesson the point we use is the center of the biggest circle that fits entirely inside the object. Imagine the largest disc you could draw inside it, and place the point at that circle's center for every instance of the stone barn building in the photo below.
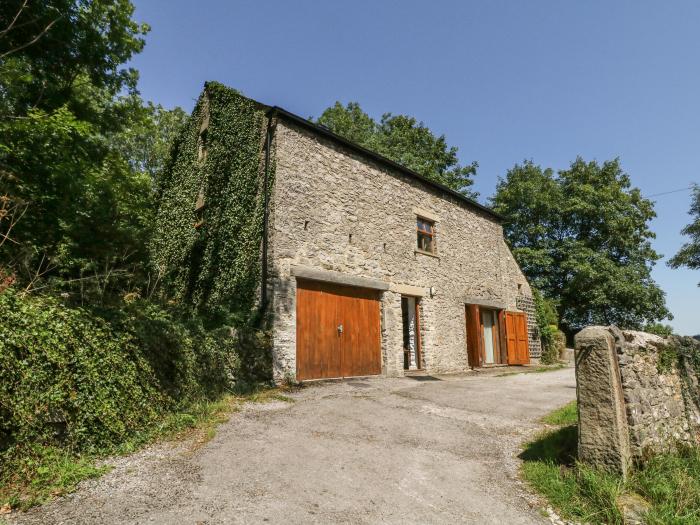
(368, 268)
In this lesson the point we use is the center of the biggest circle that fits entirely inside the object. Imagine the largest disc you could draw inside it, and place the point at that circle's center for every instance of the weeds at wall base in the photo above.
(668, 484)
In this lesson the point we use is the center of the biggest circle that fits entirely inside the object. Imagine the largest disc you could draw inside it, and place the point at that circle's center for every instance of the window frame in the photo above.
(431, 234)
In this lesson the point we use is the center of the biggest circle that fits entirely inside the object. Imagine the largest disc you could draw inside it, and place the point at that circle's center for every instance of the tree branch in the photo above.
(33, 41)
(9, 28)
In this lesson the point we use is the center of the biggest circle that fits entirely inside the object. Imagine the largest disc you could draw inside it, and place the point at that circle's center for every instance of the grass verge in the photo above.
(31, 475)
(667, 485)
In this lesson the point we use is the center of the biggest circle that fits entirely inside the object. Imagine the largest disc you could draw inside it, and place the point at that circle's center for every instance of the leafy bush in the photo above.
(89, 381)
(547, 322)
(659, 329)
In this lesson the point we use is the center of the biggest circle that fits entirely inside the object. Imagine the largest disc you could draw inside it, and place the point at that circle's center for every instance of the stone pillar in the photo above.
(392, 334)
(603, 438)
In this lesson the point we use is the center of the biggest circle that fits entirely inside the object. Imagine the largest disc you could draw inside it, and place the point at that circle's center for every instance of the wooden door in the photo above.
(338, 333)
(318, 344)
(474, 353)
(360, 343)
(502, 339)
(516, 335)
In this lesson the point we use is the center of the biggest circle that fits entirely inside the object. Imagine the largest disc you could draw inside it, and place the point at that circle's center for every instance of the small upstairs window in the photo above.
(426, 235)
(202, 147)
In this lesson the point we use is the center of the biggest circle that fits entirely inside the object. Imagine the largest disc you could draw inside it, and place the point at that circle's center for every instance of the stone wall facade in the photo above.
(334, 210)
(637, 395)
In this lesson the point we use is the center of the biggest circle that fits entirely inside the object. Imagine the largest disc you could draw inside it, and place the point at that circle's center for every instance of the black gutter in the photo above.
(266, 214)
(276, 110)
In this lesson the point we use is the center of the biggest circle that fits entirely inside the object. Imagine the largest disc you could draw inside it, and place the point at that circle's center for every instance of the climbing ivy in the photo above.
(215, 269)
(668, 357)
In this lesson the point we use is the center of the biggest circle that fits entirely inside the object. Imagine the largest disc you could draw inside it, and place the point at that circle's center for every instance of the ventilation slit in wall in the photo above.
(306, 225)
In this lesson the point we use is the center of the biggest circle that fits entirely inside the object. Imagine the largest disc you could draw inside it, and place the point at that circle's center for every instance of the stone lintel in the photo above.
(315, 274)
(481, 301)
(426, 214)
(407, 289)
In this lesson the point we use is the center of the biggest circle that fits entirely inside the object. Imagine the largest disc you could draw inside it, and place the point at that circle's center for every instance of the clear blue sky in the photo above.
(503, 80)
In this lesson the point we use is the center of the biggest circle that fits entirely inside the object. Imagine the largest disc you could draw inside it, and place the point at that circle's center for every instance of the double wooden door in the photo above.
(499, 339)
(338, 331)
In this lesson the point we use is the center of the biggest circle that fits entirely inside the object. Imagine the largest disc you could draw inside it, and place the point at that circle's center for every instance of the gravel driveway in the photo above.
(409, 450)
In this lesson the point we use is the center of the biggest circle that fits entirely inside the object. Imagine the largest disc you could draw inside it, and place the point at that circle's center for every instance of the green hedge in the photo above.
(89, 381)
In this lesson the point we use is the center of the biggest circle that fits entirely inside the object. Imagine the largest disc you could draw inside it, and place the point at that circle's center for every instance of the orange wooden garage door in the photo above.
(337, 331)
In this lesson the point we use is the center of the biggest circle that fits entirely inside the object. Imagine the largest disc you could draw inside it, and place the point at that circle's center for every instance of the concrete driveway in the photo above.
(410, 450)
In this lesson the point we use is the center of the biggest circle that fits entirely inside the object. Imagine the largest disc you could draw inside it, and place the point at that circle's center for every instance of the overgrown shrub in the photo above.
(547, 322)
(661, 329)
(88, 381)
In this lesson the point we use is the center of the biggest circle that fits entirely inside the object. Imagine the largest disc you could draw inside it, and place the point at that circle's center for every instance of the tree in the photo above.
(402, 139)
(148, 136)
(56, 53)
(79, 148)
(582, 237)
(689, 254)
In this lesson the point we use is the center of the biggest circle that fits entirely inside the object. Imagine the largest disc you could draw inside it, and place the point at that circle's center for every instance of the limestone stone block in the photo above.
(603, 432)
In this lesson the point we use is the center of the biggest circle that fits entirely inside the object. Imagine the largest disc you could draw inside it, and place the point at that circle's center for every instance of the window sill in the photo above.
(429, 254)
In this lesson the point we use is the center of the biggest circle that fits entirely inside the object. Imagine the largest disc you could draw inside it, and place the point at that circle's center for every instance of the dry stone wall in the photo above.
(660, 409)
(637, 395)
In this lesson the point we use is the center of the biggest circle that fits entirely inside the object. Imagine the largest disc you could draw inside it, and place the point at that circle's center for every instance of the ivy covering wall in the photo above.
(217, 161)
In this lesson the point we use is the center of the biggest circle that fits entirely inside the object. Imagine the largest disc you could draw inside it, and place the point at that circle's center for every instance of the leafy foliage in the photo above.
(547, 322)
(148, 136)
(402, 139)
(80, 158)
(73, 203)
(60, 52)
(73, 378)
(659, 329)
(689, 254)
(582, 237)
(80, 149)
(216, 268)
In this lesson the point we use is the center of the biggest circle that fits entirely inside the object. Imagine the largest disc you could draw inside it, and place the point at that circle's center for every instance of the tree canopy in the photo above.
(689, 254)
(79, 147)
(402, 139)
(582, 237)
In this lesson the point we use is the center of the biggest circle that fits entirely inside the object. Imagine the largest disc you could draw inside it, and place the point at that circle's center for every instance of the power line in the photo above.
(672, 191)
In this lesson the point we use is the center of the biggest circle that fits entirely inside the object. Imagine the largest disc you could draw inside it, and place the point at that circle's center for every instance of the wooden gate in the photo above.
(338, 332)
(516, 333)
